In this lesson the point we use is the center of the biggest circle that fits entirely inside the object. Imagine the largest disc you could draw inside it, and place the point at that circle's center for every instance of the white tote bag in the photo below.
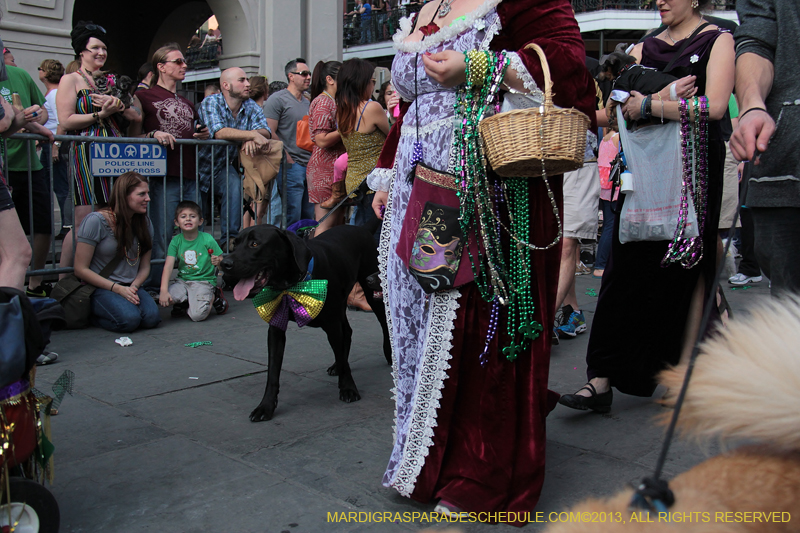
(653, 154)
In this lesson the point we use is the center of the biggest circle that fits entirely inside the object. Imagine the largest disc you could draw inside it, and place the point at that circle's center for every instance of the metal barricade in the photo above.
(167, 218)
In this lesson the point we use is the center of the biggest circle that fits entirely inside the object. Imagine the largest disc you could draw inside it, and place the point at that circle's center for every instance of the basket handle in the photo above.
(548, 83)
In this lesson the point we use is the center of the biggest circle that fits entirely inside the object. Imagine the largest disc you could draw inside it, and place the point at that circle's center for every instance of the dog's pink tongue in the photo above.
(243, 288)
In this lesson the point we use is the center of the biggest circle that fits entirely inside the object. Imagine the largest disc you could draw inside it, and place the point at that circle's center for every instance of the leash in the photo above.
(653, 493)
(309, 231)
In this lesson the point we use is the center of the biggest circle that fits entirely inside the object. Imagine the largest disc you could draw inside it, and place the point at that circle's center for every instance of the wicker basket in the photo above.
(515, 142)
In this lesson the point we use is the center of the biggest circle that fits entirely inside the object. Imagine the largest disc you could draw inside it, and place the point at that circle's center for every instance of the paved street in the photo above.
(157, 435)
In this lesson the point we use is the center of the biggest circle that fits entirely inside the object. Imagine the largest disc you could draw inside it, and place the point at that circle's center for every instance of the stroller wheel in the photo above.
(33, 506)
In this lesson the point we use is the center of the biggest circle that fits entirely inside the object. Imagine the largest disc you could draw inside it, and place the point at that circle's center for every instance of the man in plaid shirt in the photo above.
(229, 115)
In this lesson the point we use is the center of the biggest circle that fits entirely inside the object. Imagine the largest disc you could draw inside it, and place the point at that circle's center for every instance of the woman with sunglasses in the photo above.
(167, 116)
(82, 111)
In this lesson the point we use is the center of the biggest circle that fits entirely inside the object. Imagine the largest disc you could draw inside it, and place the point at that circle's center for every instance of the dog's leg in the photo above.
(276, 343)
(380, 313)
(339, 336)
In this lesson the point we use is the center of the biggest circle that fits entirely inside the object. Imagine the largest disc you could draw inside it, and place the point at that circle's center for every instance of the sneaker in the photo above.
(581, 269)
(46, 358)
(743, 279)
(42, 291)
(220, 303)
(179, 309)
(575, 324)
(561, 318)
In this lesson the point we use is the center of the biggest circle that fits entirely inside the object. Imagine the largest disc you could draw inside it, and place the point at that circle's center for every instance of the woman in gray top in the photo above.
(121, 232)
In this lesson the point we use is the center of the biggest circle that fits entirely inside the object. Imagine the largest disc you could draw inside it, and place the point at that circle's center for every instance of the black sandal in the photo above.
(600, 403)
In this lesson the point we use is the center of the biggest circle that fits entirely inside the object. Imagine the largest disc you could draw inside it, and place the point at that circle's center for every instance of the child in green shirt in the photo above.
(197, 254)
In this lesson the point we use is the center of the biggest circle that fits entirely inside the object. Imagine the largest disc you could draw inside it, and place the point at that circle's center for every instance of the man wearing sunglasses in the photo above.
(283, 111)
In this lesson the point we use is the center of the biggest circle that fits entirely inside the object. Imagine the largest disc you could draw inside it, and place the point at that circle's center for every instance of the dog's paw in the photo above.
(262, 413)
(349, 395)
(332, 371)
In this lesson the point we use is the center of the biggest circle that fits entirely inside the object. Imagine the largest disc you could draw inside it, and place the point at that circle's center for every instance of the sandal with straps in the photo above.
(600, 403)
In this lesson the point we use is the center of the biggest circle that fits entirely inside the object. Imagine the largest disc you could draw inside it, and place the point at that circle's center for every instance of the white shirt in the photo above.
(50, 107)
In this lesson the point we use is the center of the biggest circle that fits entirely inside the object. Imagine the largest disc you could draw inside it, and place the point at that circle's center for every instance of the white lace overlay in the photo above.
(421, 326)
(472, 21)
(427, 129)
(379, 179)
(429, 389)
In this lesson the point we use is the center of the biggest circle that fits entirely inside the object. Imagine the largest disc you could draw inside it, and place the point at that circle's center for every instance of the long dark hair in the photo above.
(352, 88)
(320, 76)
(127, 223)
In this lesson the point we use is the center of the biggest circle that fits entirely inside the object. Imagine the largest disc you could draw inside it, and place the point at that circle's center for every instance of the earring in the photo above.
(695, 4)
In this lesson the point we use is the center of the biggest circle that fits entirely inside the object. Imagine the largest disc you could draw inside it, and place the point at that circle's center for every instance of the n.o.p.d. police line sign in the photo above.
(113, 159)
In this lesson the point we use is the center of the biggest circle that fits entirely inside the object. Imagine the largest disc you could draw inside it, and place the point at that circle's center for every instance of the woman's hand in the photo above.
(447, 68)
(164, 298)
(684, 88)
(379, 203)
(129, 293)
(632, 108)
(164, 138)
(391, 103)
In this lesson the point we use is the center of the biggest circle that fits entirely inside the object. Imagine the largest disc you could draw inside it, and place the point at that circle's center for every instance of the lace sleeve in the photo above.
(380, 179)
(515, 62)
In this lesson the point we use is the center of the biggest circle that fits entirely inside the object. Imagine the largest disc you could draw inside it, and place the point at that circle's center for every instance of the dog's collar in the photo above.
(310, 270)
(622, 70)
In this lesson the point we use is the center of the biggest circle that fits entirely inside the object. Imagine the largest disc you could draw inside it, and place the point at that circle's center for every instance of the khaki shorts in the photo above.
(581, 202)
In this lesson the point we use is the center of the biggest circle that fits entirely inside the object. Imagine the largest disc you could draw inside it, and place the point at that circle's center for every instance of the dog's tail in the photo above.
(746, 380)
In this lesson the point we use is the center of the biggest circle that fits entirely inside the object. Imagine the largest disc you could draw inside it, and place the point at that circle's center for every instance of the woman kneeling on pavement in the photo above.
(121, 232)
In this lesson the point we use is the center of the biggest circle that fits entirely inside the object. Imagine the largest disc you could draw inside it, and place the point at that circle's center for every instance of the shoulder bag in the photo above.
(75, 295)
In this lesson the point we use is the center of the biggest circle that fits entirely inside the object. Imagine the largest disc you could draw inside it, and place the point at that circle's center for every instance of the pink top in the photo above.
(606, 153)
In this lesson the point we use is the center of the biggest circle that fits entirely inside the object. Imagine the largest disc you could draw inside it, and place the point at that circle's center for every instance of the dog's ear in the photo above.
(299, 250)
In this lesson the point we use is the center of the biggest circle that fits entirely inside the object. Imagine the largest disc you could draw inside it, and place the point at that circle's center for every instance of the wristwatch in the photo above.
(57, 144)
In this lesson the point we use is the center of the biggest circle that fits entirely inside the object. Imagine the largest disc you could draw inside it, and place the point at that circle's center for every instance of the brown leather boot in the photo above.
(357, 301)
(338, 192)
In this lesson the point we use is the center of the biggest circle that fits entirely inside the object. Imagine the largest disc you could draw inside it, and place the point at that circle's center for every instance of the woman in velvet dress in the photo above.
(641, 323)
(470, 436)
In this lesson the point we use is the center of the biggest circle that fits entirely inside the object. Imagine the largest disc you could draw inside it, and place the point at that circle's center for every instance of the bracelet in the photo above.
(649, 106)
(673, 93)
(662, 106)
(478, 65)
(96, 116)
(112, 286)
(752, 109)
(151, 135)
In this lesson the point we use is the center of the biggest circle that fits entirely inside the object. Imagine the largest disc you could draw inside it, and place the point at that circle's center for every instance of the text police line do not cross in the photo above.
(113, 159)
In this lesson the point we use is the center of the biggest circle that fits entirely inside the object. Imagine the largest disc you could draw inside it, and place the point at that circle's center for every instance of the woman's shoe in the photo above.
(600, 403)
(338, 192)
(450, 511)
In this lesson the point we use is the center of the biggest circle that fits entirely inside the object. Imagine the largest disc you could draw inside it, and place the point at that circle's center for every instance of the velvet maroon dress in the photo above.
(470, 434)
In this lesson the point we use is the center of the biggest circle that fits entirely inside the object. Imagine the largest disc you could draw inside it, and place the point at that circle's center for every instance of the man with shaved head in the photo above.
(229, 115)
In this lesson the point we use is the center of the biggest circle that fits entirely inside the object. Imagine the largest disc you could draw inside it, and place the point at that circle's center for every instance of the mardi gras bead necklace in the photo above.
(502, 273)
(688, 252)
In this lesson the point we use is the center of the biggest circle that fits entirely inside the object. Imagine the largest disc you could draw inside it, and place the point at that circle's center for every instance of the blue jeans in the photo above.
(112, 312)
(60, 184)
(297, 205)
(163, 215)
(226, 185)
(609, 224)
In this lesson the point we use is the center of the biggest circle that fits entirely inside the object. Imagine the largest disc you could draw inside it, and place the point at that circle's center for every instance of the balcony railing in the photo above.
(206, 56)
(380, 27)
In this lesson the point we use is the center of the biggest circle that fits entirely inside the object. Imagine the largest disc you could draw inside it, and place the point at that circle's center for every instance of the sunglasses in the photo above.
(305, 73)
(93, 27)
(180, 61)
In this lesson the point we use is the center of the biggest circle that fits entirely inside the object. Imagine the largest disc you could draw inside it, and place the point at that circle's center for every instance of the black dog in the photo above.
(266, 255)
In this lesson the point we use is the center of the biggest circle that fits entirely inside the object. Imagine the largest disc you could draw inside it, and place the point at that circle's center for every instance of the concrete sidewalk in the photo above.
(157, 435)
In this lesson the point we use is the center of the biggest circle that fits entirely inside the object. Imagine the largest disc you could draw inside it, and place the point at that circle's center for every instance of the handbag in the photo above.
(75, 296)
(304, 135)
(260, 169)
(431, 240)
